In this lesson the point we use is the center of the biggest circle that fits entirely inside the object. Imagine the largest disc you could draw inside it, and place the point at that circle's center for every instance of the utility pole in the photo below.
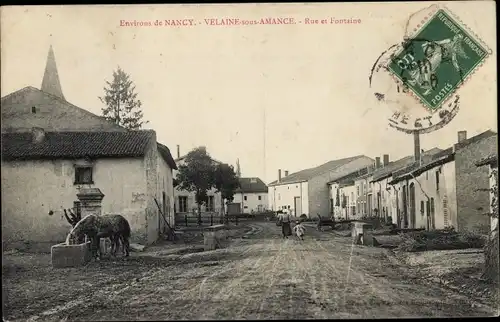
(416, 145)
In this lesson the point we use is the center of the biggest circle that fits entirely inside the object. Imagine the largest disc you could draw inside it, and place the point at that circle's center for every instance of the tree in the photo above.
(122, 105)
(197, 175)
(226, 182)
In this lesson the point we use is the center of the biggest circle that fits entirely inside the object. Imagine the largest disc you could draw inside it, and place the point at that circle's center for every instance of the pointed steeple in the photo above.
(238, 170)
(50, 82)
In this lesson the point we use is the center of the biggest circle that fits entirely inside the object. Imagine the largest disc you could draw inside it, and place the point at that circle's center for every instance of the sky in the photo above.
(284, 97)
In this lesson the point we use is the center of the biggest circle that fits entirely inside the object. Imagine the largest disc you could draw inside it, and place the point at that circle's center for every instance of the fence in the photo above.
(214, 218)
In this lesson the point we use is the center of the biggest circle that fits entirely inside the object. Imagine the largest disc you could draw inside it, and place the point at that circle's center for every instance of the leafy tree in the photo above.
(197, 175)
(226, 182)
(122, 105)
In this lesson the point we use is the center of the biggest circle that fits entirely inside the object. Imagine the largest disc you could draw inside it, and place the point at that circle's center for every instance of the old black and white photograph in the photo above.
(274, 161)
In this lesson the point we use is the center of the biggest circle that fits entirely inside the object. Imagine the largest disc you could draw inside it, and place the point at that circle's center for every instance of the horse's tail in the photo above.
(126, 228)
(125, 235)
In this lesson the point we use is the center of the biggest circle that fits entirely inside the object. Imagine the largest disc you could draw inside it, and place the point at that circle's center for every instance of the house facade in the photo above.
(42, 172)
(350, 194)
(185, 201)
(38, 125)
(447, 190)
(385, 197)
(252, 195)
(307, 192)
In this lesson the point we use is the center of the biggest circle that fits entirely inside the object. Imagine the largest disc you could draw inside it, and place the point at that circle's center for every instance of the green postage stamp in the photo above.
(437, 60)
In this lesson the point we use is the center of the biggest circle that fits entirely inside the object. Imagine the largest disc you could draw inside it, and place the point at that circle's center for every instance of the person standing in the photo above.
(286, 228)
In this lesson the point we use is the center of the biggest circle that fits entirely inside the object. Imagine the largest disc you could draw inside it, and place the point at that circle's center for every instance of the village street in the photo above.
(260, 277)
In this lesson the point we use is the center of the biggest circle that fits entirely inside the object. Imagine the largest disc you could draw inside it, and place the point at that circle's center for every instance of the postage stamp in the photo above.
(437, 60)
(418, 78)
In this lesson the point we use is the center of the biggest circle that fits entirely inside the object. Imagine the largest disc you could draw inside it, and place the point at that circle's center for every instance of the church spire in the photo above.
(238, 170)
(50, 82)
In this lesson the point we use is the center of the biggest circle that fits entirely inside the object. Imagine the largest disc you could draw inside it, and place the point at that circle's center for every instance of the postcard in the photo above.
(249, 161)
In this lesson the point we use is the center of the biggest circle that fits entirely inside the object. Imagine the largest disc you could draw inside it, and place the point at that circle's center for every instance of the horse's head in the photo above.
(84, 227)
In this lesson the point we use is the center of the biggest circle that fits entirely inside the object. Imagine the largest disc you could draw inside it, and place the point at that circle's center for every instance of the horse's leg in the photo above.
(114, 244)
(126, 246)
(95, 247)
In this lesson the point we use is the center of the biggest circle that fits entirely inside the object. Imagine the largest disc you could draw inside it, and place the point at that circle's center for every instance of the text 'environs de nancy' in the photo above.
(236, 22)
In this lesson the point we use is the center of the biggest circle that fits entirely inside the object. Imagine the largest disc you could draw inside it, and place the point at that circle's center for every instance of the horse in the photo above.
(116, 227)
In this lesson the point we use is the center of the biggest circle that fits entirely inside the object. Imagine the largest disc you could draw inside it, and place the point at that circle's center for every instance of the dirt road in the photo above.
(262, 277)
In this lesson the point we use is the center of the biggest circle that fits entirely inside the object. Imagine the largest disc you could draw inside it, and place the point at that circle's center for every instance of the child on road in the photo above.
(299, 230)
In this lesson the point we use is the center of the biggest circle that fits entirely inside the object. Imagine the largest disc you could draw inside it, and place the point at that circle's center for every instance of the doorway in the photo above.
(404, 206)
(413, 211)
(297, 204)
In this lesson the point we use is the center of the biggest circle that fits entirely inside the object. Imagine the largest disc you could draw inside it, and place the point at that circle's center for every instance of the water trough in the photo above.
(76, 255)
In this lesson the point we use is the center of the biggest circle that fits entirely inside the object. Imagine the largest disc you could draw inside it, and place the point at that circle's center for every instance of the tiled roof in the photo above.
(394, 166)
(439, 158)
(59, 145)
(308, 174)
(166, 155)
(252, 185)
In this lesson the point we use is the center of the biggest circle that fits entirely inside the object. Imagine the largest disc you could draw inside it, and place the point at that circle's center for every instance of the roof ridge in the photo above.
(17, 91)
(62, 101)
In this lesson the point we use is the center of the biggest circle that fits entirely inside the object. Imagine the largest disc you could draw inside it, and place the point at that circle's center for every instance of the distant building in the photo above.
(185, 201)
(252, 195)
(307, 191)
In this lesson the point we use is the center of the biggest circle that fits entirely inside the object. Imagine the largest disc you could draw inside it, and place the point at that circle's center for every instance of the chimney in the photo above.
(279, 175)
(386, 159)
(377, 162)
(38, 134)
(462, 136)
(178, 151)
(416, 145)
(286, 173)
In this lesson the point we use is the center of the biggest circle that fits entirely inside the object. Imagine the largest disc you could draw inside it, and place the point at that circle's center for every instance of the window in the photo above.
(260, 197)
(253, 180)
(33, 109)
(357, 190)
(210, 203)
(279, 196)
(245, 198)
(83, 175)
(183, 204)
(422, 210)
(437, 180)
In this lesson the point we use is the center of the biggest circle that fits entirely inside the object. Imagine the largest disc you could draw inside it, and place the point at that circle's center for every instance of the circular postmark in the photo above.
(417, 79)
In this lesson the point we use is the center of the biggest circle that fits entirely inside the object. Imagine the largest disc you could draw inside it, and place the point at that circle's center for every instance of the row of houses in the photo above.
(431, 189)
(52, 150)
